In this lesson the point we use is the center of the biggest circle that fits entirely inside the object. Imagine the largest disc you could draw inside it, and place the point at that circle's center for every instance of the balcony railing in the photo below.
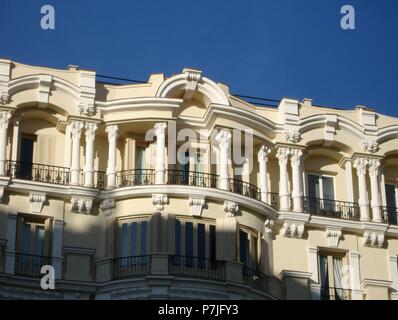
(135, 177)
(244, 188)
(131, 267)
(390, 215)
(99, 179)
(331, 208)
(331, 293)
(255, 279)
(38, 172)
(197, 267)
(192, 178)
(29, 265)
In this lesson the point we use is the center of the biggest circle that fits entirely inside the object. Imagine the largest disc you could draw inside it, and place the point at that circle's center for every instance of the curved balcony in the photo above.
(135, 177)
(29, 265)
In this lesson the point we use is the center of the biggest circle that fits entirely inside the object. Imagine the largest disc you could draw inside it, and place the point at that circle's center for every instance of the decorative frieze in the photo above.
(373, 239)
(333, 236)
(107, 207)
(159, 201)
(82, 205)
(293, 229)
(37, 201)
(197, 204)
(231, 209)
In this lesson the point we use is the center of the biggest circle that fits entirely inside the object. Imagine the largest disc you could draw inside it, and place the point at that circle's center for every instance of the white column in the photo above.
(15, 137)
(355, 276)
(282, 155)
(91, 127)
(349, 181)
(112, 131)
(160, 167)
(297, 192)
(76, 131)
(223, 139)
(374, 165)
(360, 164)
(383, 188)
(4, 117)
(262, 161)
(67, 147)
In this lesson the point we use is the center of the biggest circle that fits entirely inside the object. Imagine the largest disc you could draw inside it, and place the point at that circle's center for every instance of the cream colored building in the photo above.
(89, 185)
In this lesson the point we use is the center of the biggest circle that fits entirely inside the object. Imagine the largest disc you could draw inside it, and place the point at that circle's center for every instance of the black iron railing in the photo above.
(29, 265)
(38, 172)
(331, 208)
(197, 267)
(192, 178)
(255, 279)
(135, 177)
(244, 188)
(331, 293)
(273, 199)
(390, 215)
(130, 267)
(99, 179)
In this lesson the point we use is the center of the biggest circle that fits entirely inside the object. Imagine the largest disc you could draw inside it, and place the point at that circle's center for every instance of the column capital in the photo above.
(296, 155)
(360, 163)
(263, 153)
(91, 127)
(374, 165)
(113, 132)
(160, 128)
(5, 116)
(223, 138)
(76, 128)
(283, 154)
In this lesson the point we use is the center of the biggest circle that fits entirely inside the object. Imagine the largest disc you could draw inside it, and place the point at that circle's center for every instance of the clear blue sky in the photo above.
(265, 48)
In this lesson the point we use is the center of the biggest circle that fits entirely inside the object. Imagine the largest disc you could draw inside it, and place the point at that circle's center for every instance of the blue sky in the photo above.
(264, 48)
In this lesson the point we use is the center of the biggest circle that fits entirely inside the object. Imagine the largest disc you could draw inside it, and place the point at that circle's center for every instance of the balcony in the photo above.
(131, 267)
(255, 279)
(135, 177)
(192, 178)
(331, 293)
(331, 208)
(29, 265)
(390, 215)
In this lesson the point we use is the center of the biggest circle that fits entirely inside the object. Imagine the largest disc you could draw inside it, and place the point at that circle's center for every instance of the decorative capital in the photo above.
(4, 98)
(113, 132)
(296, 155)
(107, 207)
(160, 129)
(333, 236)
(197, 204)
(223, 138)
(370, 146)
(292, 136)
(91, 127)
(360, 164)
(159, 201)
(82, 205)
(283, 155)
(268, 228)
(231, 209)
(5, 116)
(37, 201)
(76, 128)
(293, 230)
(87, 109)
(373, 239)
(374, 165)
(263, 153)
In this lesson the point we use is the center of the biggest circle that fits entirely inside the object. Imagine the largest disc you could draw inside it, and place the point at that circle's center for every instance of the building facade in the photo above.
(176, 188)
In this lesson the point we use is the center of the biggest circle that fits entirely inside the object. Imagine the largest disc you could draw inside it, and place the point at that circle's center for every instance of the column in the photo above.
(360, 164)
(262, 161)
(282, 155)
(15, 137)
(374, 165)
(348, 179)
(297, 192)
(223, 139)
(89, 165)
(4, 117)
(76, 131)
(112, 131)
(383, 188)
(160, 167)
(67, 147)
(355, 276)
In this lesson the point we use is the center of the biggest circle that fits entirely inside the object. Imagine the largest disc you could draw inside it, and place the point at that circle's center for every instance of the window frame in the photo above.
(320, 176)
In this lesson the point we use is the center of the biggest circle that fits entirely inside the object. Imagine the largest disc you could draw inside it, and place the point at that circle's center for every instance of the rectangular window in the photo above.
(391, 199)
(332, 277)
(201, 245)
(188, 244)
(244, 247)
(26, 158)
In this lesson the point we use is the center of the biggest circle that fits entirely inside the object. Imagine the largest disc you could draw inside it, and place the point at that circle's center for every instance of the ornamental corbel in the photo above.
(4, 98)
(333, 236)
(87, 109)
(197, 204)
(293, 230)
(193, 77)
(370, 146)
(159, 201)
(231, 209)
(292, 136)
(373, 239)
(268, 228)
(107, 207)
(82, 205)
(37, 202)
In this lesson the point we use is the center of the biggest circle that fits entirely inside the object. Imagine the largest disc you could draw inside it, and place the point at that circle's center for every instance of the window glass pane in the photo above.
(26, 150)
(244, 247)
(390, 195)
(140, 158)
(26, 238)
(39, 240)
(324, 277)
(133, 242)
(212, 244)
(178, 238)
(144, 238)
(124, 240)
(201, 241)
(189, 243)
(313, 186)
(328, 188)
